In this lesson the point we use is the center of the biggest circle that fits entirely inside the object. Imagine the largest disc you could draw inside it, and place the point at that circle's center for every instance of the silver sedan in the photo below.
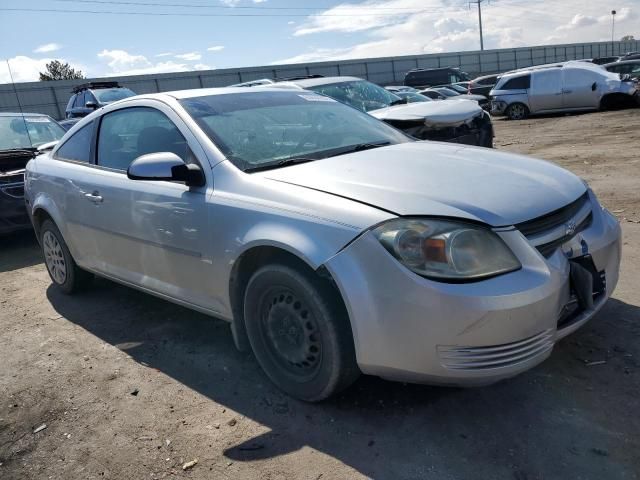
(331, 242)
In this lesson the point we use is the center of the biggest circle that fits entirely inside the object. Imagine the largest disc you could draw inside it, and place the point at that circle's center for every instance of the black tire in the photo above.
(62, 268)
(517, 111)
(299, 332)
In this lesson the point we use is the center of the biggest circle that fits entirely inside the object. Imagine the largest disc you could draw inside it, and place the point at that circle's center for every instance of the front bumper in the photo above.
(13, 213)
(409, 328)
(498, 107)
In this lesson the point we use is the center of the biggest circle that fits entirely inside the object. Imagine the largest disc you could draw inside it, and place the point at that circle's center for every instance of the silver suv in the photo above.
(572, 86)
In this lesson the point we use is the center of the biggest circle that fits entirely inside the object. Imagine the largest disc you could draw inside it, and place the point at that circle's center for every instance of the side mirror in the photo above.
(165, 166)
(594, 87)
(92, 105)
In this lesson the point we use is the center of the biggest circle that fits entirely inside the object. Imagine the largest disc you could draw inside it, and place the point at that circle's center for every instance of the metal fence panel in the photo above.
(51, 97)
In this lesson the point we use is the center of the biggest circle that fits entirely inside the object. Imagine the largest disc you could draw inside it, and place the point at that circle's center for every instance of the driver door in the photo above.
(151, 233)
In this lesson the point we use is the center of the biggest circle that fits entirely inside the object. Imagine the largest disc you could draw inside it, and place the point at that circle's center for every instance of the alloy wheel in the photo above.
(54, 257)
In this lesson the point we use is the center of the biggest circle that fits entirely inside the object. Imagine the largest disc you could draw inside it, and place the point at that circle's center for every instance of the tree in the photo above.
(56, 70)
(627, 38)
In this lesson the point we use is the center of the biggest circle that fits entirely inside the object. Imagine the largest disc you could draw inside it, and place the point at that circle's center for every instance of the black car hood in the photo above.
(11, 160)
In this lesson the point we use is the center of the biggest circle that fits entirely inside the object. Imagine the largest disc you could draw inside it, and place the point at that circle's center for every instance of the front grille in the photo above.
(548, 232)
(546, 249)
(496, 356)
(554, 219)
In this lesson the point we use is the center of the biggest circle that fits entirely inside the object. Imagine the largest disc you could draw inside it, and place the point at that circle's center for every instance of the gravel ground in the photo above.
(132, 387)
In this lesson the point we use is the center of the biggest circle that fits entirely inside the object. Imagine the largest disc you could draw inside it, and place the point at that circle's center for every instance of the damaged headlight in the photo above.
(446, 250)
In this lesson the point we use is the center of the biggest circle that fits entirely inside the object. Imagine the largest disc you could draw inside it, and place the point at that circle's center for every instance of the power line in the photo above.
(247, 7)
(187, 14)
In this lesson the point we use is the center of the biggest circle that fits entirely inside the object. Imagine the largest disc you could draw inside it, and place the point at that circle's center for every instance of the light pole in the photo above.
(613, 26)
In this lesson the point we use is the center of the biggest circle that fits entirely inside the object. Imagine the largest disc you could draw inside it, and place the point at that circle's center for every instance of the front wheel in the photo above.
(62, 268)
(517, 111)
(299, 332)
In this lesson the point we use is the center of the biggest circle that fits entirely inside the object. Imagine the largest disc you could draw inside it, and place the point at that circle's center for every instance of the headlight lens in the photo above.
(446, 250)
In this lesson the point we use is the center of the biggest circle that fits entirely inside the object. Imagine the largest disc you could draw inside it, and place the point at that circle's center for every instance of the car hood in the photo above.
(432, 178)
(436, 114)
(469, 96)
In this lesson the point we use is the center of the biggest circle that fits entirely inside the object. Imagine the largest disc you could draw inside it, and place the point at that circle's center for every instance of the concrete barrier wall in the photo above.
(51, 97)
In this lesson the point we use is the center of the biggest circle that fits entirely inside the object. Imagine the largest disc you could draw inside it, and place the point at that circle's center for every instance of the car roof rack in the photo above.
(298, 77)
(86, 86)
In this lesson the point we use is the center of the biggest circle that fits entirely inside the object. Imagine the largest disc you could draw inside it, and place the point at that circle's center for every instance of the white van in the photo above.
(572, 86)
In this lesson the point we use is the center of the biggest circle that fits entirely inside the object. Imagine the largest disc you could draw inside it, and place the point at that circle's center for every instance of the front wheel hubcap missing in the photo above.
(291, 333)
(54, 258)
(517, 112)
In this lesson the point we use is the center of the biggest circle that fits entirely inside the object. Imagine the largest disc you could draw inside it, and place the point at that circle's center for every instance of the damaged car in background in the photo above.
(463, 121)
(21, 138)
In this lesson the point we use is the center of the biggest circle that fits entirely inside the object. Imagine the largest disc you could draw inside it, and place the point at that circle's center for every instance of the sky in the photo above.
(157, 36)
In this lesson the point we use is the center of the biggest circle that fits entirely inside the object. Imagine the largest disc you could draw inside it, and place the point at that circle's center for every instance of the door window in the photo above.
(79, 100)
(78, 146)
(131, 132)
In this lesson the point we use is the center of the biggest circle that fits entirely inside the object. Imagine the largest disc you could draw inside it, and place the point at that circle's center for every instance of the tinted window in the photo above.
(78, 146)
(517, 83)
(108, 95)
(79, 100)
(129, 133)
(254, 129)
(487, 81)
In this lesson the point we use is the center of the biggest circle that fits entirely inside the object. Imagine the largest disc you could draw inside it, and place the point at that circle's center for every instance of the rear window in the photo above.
(518, 83)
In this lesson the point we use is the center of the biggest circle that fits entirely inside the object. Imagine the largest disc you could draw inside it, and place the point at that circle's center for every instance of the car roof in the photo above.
(622, 62)
(205, 92)
(25, 114)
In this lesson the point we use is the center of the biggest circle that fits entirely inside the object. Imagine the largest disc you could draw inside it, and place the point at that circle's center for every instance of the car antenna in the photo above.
(15, 90)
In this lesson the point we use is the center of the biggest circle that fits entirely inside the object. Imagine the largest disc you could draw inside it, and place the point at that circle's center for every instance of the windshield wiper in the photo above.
(362, 146)
(18, 151)
(279, 164)
(400, 101)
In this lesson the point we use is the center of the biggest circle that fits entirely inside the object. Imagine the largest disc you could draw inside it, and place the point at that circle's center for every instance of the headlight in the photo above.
(446, 250)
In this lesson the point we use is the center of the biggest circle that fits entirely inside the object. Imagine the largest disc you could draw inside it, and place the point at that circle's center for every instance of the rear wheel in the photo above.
(299, 332)
(517, 111)
(62, 268)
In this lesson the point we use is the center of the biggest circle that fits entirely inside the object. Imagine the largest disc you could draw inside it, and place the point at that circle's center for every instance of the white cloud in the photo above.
(432, 26)
(24, 69)
(163, 54)
(121, 62)
(190, 57)
(291, 22)
(259, 1)
(216, 48)
(48, 47)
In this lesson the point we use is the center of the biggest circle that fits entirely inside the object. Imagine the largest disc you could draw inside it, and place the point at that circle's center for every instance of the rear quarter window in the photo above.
(517, 83)
(78, 146)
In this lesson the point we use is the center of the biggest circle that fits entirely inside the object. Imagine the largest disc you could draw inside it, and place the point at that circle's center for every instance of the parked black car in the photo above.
(421, 78)
(604, 60)
(90, 96)
(20, 137)
(483, 85)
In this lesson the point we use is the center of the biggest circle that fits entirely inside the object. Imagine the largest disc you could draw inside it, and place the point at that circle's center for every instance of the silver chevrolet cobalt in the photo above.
(333, 243)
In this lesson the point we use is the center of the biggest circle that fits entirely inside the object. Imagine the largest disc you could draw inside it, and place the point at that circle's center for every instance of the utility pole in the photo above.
(613, 26)
(479, 3)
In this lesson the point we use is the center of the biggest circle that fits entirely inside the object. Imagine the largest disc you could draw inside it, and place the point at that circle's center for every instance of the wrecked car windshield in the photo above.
(30, 132)
(259, 128)
(360, 94)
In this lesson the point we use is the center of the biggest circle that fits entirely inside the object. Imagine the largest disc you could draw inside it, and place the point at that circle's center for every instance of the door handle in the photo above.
(93, 197)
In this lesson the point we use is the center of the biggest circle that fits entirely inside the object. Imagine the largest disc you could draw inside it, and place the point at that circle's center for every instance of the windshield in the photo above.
(360, 94)
(108, 95)
(30, 132)
(446, 92)
(255, 129)
(413, 97)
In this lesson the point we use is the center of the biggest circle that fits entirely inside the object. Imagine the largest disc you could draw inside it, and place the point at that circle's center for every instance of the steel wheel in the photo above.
(291, 333)
(517, 111)
(54, 258)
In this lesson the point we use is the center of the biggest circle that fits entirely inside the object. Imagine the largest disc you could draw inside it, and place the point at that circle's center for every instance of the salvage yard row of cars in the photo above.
(309, 214)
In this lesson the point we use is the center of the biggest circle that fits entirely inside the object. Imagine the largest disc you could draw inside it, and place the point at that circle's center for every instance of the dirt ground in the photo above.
(132, 387)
